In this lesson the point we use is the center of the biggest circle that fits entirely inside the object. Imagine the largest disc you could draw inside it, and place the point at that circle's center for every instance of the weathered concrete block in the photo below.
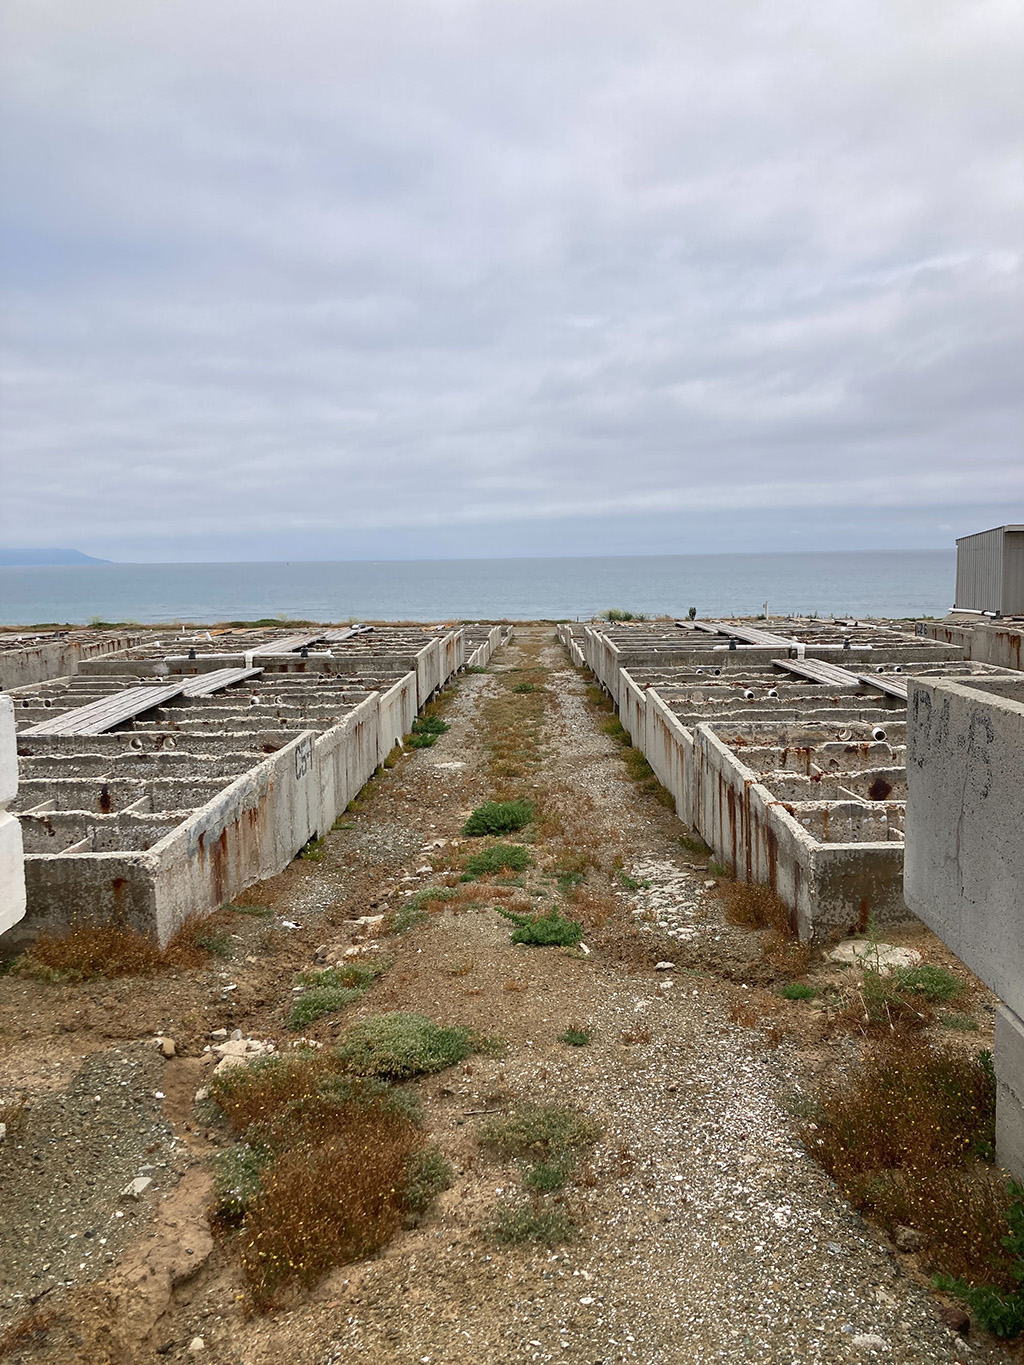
(1009, 1064)
(12, 872)
(8, 752)
(964, 870)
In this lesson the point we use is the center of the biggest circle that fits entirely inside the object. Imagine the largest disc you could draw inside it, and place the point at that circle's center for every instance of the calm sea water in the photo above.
(908, 583)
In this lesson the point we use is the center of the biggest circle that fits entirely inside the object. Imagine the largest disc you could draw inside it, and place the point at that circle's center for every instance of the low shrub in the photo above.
(498, 817)
(236, 1179)
(540, 1131)
(427, 1175)
(334, 988)
(552, 930)
(575, 1037)
(327, 1167)
(618, 614)
(337, 1197)
(525, 687)
(516, 1223)
(86, 952)
(430, 725)
(395, 1047)
(317, 1001)
(498, 858)
(424, 741)
(908, 1137)
(545, 1177)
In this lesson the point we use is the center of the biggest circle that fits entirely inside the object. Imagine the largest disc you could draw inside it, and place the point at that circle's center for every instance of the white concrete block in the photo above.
(12, 872)
(8, 752)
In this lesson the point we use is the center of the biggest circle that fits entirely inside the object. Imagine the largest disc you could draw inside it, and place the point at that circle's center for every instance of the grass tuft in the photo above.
(575, 1037)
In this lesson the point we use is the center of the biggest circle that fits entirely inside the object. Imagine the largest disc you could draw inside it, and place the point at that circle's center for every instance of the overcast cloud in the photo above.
(329, 279)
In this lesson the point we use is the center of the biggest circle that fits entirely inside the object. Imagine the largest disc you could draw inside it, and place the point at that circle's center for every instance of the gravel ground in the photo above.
(66, 1163)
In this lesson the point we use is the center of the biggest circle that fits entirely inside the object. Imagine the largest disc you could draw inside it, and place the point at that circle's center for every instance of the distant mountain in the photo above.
(8, 557)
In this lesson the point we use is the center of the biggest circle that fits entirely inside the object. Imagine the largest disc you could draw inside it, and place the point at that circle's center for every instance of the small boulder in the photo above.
(664, 966)
(136, 1188)
(882, 958)
(196, 1346)
(165, 1046)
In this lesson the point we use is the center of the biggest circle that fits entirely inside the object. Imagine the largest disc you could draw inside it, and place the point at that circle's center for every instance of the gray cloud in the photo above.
(339, 277)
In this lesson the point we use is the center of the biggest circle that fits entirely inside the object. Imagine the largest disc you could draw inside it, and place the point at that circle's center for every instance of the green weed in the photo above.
(552, 930)
(798, 990)
(575, 1037)
(498, 817)
(317, 1001)
(497, 858)
(516, 1223)
(538, 1131)
(313, 850)
(934, 983)
(428, 1174)
(395, 1047)
(546, 1176)
(236, 1179)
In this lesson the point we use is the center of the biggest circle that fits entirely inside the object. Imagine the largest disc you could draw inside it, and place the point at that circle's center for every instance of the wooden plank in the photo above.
(895, 687)
(288, 644)
(100, 716)
(819, 671)
(207, 683)
(336, 637)
(751, 635)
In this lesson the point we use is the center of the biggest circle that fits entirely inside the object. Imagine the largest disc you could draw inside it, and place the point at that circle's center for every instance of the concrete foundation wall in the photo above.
(12, 873)
(990, 642)
(57, 659)
(965, 827)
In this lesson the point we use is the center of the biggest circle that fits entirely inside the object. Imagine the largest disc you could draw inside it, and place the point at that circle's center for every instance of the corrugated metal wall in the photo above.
(1013, 573)
(979, 571)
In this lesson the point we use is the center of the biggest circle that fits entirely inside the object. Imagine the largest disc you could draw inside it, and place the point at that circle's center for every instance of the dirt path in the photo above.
(704, 1231)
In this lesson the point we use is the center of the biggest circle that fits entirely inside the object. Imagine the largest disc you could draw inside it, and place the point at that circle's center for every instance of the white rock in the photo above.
(219, 1033)
(203, 1093)
(664, 966)
(234, 1047)
(137, 1187)
(711, 882)
(196, 1346)
(236, 1033)
(878, 957)
(869, 1341)
(3, 1132)
(227, 1063)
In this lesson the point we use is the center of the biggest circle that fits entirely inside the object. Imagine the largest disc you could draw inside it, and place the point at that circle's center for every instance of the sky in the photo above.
(435, 278)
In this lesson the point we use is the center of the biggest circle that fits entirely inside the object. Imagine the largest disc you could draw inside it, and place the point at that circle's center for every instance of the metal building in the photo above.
(990, 571)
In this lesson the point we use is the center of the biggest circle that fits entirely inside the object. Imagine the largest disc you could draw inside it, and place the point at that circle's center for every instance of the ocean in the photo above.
(873, 583)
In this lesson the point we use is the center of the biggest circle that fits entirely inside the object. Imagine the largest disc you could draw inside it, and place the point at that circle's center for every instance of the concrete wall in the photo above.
(55, 659)
(965, 857)
(990, 642)
(965, 826)
(12, 873)
(829, 886)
